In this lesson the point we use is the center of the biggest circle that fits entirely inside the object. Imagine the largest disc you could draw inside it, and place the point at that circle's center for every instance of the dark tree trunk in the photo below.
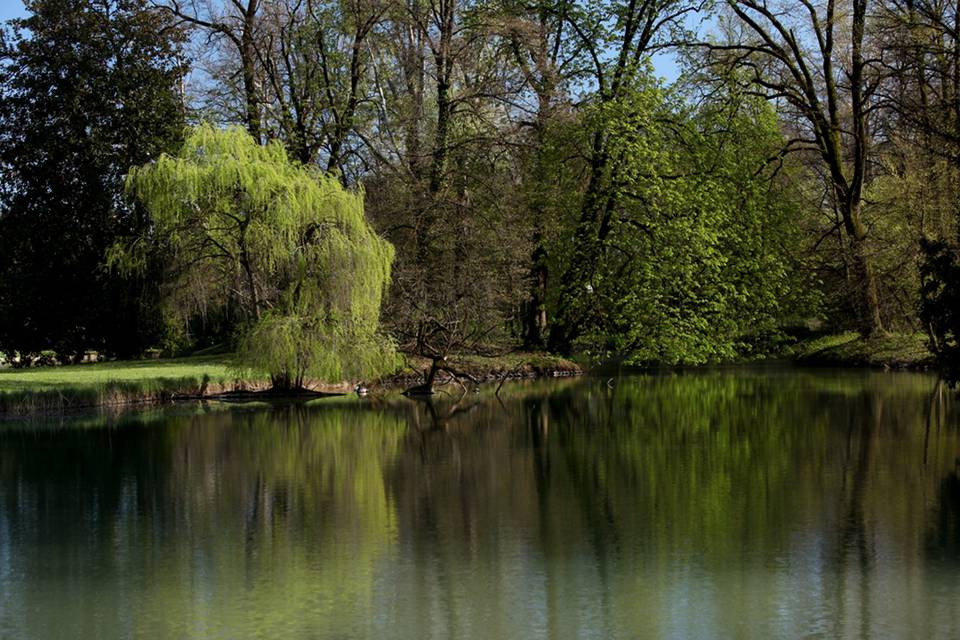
(866, 298)
(280, 382)
(535, 318)
(588, 242)
(426, 388)
(248, 58)
(443, 57)
(868, 310)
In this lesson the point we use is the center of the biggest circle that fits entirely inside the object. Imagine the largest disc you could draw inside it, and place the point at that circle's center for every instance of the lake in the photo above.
(734, 503)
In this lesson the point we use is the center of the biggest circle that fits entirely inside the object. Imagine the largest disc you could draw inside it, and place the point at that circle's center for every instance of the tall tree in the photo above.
(314, 57)
(698, 263)
(920, 46)
(244, 225)
(238, 23)
(616, 39)
(538, 35)
(443, 160)
(827, 81)
(87, 89)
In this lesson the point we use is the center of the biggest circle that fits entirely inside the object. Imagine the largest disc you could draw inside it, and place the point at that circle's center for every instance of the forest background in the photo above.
(542, 186)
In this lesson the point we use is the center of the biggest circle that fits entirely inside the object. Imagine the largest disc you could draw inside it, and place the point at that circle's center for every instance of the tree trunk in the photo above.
(251, 280)
(426, 388)
(281, 382)
(248, 67)
(868, 298)
(535, 318)
(414, 74)
(543, 74)
(442, 50)
(587, 249)
(443, 57)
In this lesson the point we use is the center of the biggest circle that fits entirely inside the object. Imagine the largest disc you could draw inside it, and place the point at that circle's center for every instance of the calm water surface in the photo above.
(731, 504)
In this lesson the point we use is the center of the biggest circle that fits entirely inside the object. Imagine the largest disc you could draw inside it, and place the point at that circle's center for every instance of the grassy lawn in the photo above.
(894, 350)
(26, 392)
(214, 368)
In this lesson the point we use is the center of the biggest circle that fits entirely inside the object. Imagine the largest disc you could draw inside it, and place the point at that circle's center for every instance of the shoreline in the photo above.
(888, 352)
(64, 398)
(51, 391)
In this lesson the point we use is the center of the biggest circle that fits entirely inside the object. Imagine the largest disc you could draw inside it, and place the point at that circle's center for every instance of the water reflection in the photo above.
(725, 504)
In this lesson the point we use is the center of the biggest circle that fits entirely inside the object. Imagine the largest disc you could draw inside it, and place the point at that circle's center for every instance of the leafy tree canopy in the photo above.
(694, 249)
(940, 304)
(87, 89)
(284, 243)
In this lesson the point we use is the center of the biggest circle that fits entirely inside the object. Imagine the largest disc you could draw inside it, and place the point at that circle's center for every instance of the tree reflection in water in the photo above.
(747, 503)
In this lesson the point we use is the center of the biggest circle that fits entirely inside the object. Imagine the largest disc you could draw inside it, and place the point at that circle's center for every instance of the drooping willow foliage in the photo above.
(246, 227)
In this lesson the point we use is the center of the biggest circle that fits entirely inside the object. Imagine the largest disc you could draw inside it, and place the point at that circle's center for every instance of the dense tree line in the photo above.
(87, 90)
(541, 186)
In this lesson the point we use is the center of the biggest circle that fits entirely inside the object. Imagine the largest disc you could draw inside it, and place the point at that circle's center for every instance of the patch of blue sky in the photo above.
(10, 9)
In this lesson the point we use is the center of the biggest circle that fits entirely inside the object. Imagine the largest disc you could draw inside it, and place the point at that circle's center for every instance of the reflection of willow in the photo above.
(300, 496)
(265, 520)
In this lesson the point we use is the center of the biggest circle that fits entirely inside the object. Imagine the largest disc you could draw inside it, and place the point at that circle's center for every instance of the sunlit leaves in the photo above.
(695, 265)
(284, 242)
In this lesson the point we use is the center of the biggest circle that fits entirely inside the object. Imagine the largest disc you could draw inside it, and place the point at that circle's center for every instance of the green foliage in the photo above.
(87, 89)
(337, 525)
(940, 307)
(289, 246)
(294, 347)
(696, 265)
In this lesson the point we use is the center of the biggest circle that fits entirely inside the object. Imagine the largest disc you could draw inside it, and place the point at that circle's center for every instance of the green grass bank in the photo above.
(61, 389)
(25, 392)
(889, 351)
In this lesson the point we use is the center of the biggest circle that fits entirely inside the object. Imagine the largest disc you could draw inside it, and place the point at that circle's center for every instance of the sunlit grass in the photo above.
(214, 368)
(899, 350)
(56, 389)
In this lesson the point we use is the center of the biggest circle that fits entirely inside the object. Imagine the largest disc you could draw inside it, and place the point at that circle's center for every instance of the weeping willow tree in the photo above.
(287, 246)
